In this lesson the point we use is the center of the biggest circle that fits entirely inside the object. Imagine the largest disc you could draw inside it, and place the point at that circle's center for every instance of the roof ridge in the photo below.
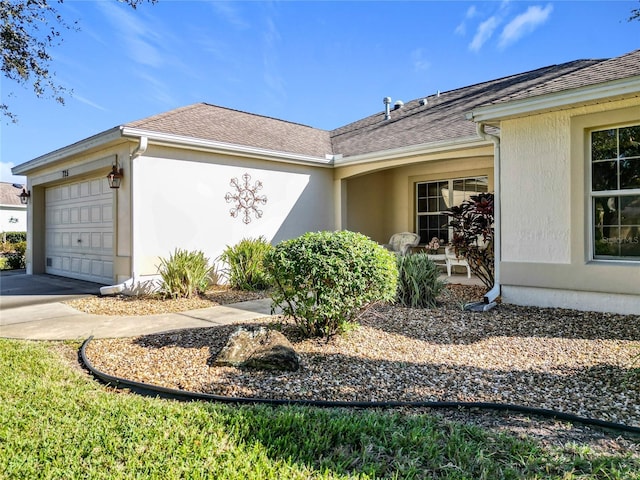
(166, 114)
(580, 64)
(194, 106)
(259, 115)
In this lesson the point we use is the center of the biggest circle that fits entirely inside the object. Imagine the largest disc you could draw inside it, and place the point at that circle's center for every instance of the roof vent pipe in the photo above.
(387, 108)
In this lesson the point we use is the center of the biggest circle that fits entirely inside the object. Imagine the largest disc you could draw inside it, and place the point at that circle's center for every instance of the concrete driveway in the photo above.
(32, 308)
(18, 289)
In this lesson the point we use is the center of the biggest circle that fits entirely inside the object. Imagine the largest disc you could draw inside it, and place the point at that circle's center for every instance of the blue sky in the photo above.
(323, 64)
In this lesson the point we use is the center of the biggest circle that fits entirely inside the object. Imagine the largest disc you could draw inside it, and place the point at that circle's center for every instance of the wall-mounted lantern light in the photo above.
(115, 177)
(25, 196)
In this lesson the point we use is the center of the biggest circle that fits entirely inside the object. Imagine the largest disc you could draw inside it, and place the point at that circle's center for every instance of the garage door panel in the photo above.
(79, 230)
(107, 241)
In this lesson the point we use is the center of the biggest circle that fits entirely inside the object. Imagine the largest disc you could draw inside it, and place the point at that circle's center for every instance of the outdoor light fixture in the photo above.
(25, 196)
(115, 177)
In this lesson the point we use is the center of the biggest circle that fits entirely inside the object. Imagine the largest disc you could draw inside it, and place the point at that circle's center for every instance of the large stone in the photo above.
(258, 348)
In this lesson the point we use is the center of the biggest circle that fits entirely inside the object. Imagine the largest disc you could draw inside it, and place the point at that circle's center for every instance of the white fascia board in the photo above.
(626, 87)
(98, 140)
(12, 206)
(413, 150)
(180, 141)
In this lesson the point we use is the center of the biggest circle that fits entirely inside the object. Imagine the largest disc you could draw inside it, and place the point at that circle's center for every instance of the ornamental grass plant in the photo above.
(419, 281)
(184, 274)
(245, 264)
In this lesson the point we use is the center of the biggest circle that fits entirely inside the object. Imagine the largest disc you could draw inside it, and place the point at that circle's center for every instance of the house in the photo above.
(13, 213)
(558, 146)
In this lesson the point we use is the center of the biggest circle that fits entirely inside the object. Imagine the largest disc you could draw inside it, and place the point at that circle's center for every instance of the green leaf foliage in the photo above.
(418, 281)
(473, 233)
(324, 280)
(245, 267)
(184, 273)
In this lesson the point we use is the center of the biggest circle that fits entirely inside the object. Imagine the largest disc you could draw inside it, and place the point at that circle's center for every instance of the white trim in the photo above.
(180, 141)
(411, 150)
(593, 194)
(554, 101)
(82, 146)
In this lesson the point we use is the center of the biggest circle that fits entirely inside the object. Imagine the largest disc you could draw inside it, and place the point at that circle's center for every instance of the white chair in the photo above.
(402, 242)
(452, 259)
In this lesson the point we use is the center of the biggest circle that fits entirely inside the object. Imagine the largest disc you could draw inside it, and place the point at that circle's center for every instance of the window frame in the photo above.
(450, 182)
(618, 193)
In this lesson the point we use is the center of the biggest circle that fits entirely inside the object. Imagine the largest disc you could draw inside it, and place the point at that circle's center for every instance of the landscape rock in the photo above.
(259, 348)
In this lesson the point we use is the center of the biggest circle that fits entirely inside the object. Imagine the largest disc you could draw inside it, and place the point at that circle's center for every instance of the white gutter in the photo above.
(401, 152)
(95, 141)
(180, 141)
(494, 293)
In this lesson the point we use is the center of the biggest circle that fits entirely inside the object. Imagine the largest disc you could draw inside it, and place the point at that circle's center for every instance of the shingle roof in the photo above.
(443, 116)
(210, 122)
(625, 66)
(9, 194)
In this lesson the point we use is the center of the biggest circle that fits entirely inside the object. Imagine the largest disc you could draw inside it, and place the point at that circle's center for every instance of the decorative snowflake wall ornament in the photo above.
(246, 198)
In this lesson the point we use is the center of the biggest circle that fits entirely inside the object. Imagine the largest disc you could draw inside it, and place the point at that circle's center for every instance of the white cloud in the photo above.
(418, 60)
(524, 24)
(143, 41)
(230, 14)
(156, 89)
(484, 33)
(86, 101)
(461, 29)
(272, 76)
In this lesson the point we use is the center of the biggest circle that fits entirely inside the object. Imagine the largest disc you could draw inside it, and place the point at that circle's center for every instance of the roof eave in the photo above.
(616, 89)
(82, 146)
(412, 150)
(212, 146)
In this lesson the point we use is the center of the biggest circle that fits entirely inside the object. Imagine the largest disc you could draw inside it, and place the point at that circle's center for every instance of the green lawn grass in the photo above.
(57, 423)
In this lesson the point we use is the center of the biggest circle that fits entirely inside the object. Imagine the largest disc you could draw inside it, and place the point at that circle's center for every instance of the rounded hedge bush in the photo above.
(324, 280)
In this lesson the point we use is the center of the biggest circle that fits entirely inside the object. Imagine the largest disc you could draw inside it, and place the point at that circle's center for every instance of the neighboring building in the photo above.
(555, 144)
(13, 214)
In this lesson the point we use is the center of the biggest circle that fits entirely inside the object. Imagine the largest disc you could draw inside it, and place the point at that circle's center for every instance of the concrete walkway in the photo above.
(57, 321)
(32, 308)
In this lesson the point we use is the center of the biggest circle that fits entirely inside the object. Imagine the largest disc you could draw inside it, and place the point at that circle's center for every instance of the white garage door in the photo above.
(79, 230)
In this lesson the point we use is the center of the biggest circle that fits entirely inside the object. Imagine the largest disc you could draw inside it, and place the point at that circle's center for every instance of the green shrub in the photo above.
(20, 247)
(245, 264)
(184, 273)
(14, 237)
(418, 281)
(473, 228)
(15, 261)
(323, 280)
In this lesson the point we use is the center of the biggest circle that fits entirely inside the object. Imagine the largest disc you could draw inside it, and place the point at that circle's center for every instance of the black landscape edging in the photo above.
(182, 395)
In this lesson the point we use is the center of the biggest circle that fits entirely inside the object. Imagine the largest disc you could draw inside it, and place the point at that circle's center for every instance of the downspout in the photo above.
(131, 283)
(494, 293)
(143, 144)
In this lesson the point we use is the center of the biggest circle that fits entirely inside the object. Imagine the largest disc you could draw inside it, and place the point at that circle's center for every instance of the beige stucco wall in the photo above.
(546, 212)
(175, 198)
(382, 203)
(179, 202)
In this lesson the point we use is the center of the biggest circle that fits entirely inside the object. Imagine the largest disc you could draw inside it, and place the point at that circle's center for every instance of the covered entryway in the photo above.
(79, 230)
